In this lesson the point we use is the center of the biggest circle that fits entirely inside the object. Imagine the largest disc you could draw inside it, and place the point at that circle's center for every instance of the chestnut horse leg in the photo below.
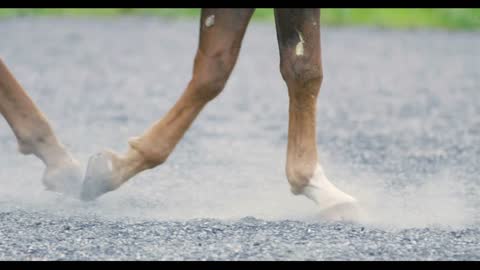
(298, 34)
(35, 136)
(221, 34)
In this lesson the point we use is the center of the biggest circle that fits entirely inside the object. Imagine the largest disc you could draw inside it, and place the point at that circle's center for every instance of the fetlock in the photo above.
(150, 156)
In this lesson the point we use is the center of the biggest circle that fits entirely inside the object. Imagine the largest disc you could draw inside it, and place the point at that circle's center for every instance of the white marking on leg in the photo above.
(210, 21)
(299, 47)
(324, 193)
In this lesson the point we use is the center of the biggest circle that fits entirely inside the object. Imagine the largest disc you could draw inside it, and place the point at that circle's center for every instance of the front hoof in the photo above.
(66, 178)
(98, 178)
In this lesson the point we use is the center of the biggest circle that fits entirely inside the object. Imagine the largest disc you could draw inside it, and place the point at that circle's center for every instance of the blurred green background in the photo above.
(453, 19)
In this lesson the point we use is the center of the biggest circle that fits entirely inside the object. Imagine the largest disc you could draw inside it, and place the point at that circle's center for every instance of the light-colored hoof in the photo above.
(334, 204)
(98, 178)
(66, 178)
(344, 212)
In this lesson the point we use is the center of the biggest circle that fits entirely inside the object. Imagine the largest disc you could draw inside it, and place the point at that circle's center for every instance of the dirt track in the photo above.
(398, 127)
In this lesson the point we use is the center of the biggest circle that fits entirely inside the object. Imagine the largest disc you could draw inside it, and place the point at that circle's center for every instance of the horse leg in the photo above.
(221, 34)
(35, 136)
(298, 34)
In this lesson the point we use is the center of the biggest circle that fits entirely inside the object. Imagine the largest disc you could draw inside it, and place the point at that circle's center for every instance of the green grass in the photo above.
(454, 19)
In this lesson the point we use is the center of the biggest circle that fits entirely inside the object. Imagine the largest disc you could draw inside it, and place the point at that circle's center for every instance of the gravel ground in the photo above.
(398, 128)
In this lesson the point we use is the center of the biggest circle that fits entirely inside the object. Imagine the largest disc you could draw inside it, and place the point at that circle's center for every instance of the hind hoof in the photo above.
(344, 212)
(98, 178)
(335, 205)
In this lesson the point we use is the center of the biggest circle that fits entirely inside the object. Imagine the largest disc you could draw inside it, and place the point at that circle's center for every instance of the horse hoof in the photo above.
(98, 178)
(344, 212)
(335, 205)
(66, 179)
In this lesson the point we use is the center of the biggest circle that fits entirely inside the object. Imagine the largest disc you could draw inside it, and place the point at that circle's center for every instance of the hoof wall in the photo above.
(98, 178)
